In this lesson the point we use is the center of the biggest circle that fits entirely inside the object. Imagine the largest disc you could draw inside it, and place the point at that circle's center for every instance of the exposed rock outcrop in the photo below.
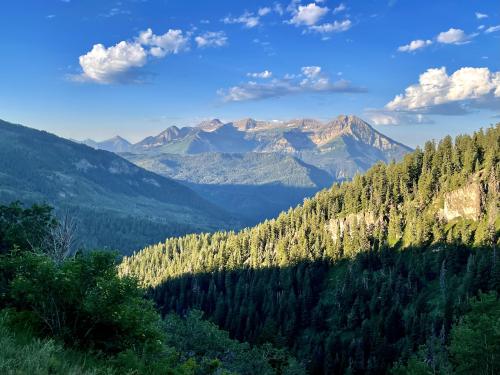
(472, 200)
(340, 226)
(465, 202)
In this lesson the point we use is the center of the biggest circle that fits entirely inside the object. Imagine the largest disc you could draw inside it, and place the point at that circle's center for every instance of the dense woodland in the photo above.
(117, 205)
(63, 313)
(367, 277)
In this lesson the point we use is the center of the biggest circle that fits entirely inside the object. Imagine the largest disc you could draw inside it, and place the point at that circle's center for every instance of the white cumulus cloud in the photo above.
(121, 62)
(311, 71)
(211, 39)
(415, 45)
(264, 74)
(480, 15)
(308, 15)
(172, 42)
(492, 29)
(249, 20)
(340, 8)
(453, 36)
(105, 65)
(332, 27)
(263, 11)
(436, 90)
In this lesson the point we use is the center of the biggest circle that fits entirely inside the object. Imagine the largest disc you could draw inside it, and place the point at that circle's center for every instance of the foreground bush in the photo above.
(22, 354)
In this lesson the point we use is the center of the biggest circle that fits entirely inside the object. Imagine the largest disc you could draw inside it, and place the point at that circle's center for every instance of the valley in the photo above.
(256, 169)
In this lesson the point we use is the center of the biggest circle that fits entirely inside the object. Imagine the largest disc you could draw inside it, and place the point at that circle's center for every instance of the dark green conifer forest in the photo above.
(395, 272)
(64, 313)
(387, 273)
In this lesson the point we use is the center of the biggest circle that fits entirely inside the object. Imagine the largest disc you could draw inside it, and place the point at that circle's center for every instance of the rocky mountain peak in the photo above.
(210, 125)
(350, 123)
(120, 139)
(305, 123)
(245, 124)
(169, 134)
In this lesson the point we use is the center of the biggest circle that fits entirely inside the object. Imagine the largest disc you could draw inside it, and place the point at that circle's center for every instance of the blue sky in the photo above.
(97, 68)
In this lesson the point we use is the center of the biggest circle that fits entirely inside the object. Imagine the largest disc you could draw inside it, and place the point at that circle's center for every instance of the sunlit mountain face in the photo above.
(256, 169)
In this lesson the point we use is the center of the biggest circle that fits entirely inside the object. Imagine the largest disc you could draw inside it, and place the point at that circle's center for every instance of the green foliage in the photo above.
(475, 340)
(23, 354)
(76, 315)
(474, 347)
(24, 228)
(358, 277)
(205, 342)
(83, 302)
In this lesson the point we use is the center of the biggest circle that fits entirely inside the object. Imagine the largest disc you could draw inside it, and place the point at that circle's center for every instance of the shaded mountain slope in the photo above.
(254, 186)
(101, 188)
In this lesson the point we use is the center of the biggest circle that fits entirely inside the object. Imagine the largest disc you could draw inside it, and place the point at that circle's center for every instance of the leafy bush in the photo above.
(24, 228)
(212, 347)
(84, 302)
(474, 347)
(475, 340)
(21, 354)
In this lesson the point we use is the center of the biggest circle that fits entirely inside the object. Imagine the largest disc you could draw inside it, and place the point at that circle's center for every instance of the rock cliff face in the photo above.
(470, 202)
(338, 227)
(493, 205)
(465, 202)
(473, 199)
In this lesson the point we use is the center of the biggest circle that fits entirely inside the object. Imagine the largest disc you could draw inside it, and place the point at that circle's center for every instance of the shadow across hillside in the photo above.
(356, 315)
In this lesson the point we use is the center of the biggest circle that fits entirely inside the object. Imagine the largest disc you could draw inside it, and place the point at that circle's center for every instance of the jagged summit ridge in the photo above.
(250, 135)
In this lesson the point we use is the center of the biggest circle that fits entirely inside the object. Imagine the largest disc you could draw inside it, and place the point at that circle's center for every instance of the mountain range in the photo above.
(256, 169)
(118, 204)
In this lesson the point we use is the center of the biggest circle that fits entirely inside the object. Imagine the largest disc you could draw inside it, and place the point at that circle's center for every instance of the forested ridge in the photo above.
(63, 313)
(383, 273)
(117, 205)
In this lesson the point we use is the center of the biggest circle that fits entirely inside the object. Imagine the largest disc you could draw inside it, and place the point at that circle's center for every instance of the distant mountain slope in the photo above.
(115, 144)
(256, 169)
(251, 185)
(249, 135)
(119, 204)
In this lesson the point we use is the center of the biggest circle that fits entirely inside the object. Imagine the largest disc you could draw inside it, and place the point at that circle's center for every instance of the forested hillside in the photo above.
(116, 204)
(66, 314)
(368, 276)
(252, 186)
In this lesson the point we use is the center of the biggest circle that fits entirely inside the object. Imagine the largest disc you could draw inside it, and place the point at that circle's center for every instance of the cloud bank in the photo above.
(440, 93)
(310, 80)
